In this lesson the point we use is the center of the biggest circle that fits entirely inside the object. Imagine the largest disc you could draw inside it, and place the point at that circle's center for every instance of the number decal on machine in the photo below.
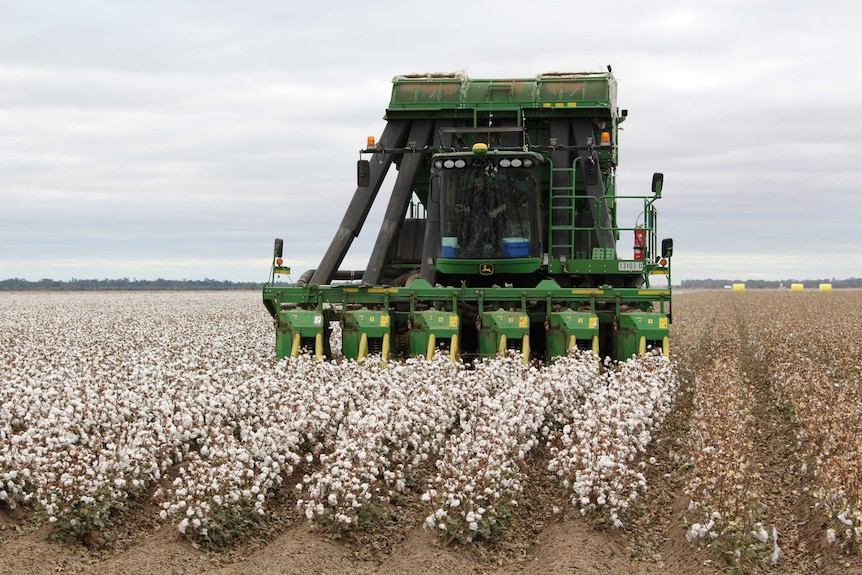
(631, 266)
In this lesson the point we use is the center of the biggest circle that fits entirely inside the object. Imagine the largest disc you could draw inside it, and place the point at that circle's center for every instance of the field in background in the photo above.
(773, 409)
(132, 412)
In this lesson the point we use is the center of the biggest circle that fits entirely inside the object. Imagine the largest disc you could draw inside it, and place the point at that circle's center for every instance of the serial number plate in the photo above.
(631, 266)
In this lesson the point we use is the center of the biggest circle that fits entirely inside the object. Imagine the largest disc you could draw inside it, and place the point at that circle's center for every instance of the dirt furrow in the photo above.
(784, 504)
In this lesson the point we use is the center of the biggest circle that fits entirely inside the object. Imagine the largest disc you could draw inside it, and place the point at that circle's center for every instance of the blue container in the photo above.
(516, 248)
(450, 247)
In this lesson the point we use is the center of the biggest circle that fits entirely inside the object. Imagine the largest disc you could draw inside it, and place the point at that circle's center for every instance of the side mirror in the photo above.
(667, 247)
(363, 173)
(278, 250)
(657, 181)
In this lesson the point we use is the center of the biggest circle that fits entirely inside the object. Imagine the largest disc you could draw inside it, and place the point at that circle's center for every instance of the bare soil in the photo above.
(569, 545)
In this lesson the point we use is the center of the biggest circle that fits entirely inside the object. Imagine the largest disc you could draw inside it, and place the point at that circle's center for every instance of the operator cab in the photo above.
(489, 208)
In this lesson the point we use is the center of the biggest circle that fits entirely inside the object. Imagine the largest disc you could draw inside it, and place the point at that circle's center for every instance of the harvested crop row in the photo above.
(725, 489)
(773, 448)
(816, 357)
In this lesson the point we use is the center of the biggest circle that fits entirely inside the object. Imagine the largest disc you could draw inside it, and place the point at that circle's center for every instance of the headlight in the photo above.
(504, 163)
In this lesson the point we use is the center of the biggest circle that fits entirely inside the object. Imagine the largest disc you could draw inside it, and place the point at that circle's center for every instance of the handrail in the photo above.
(649, 224)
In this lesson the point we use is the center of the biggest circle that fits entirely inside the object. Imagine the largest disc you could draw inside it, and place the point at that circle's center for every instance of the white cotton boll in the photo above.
(183, 525)
(831, 536)
(693, 532)
(760, 534)
(842, 517)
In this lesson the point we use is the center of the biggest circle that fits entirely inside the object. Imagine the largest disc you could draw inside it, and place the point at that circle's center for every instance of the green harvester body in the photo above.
(500, 232)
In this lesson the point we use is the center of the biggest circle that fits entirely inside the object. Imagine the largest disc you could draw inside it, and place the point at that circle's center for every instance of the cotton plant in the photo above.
(608, 429)
(175, 407)
(404, 417)
(479, 475)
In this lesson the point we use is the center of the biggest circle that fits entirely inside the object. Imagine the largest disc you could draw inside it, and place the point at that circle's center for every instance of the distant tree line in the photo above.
(124, 284)
(770, 284)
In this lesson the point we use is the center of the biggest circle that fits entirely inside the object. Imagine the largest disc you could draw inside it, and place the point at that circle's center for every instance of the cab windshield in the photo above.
(489, 212)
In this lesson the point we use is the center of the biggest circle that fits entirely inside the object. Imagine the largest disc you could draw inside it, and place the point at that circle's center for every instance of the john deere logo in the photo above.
(486, 269)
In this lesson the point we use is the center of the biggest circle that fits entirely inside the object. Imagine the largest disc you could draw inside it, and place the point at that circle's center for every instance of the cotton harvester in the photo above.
(500, 233)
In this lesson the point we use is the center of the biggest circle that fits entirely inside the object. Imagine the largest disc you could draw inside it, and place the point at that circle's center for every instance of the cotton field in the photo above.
(176, 398)
(773, 408)
(745, 446)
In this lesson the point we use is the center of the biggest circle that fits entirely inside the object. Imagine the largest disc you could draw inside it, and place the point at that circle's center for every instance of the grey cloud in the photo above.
(194, 132)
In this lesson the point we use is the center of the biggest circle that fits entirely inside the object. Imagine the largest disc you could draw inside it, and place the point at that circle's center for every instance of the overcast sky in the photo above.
(176, 139)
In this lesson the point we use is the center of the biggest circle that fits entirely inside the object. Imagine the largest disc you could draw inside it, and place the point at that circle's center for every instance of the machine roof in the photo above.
(435, 91)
